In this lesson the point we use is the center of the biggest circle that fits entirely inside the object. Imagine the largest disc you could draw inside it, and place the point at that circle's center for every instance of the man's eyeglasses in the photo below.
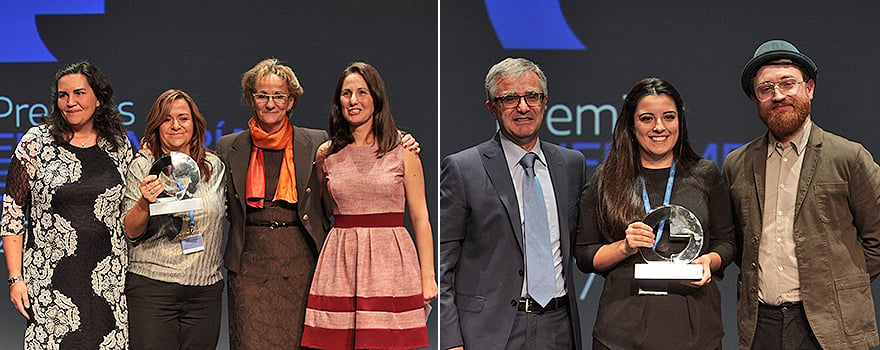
(765, 91)
(264, 98)
(533, 99)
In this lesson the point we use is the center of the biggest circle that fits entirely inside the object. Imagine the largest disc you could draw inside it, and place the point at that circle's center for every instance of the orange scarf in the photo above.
(256, 174)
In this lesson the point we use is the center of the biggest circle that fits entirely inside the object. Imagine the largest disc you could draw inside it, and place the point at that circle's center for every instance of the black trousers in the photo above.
(164, 315)
(783, 327)
(547, 331)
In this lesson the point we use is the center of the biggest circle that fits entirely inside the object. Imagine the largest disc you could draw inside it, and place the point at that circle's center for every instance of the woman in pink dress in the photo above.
(371, 283)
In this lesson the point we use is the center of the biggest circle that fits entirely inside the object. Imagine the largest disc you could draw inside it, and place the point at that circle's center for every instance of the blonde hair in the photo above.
(263, 69)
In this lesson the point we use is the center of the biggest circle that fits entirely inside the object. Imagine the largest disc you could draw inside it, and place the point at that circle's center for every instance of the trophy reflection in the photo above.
(180, 176)
(678, 241)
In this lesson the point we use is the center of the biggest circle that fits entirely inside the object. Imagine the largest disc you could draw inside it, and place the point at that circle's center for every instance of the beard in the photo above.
(786, 123)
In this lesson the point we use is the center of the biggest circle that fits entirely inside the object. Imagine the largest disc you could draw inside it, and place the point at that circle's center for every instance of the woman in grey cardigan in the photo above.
(174, 284)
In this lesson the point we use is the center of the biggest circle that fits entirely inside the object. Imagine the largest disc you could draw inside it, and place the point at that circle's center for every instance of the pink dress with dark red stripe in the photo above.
(367, 291)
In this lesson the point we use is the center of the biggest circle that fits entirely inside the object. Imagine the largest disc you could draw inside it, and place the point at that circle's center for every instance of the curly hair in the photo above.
(106, 120)
(263, 69)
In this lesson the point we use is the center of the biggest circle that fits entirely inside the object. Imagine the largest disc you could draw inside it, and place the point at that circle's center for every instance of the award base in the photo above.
(668, 271)
(168, 205)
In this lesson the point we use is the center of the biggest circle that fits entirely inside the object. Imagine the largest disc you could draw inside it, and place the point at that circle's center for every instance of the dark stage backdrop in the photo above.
(594, 51)
(203, 47)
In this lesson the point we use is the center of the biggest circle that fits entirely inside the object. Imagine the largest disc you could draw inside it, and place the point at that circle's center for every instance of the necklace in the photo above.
(88, 139)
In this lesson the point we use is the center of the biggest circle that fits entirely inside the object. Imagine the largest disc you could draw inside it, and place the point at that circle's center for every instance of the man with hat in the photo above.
(807, 215)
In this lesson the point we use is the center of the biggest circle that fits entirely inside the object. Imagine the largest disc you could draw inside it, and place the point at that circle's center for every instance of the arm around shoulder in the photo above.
(322, 153)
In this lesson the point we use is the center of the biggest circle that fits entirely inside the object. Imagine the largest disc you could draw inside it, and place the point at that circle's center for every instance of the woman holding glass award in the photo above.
(651, 164)
(174, 284)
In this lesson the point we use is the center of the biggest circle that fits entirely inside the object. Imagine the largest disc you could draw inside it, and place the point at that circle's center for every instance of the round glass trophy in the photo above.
(180, 176)
(678, 241)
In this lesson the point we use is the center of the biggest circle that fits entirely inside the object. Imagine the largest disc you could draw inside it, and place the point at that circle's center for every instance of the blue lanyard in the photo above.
(666, 198)
(192, 214)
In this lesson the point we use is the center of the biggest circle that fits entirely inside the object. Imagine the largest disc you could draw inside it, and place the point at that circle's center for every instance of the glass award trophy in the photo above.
(678, 241)
(180, 176)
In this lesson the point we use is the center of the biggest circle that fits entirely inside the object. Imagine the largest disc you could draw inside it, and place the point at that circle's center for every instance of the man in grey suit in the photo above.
(807, 215)
(491, 236)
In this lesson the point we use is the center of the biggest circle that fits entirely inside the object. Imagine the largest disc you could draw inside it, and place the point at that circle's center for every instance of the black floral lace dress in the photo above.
(75, 253)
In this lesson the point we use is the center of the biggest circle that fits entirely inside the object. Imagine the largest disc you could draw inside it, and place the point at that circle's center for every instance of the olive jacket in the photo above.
(836, 236)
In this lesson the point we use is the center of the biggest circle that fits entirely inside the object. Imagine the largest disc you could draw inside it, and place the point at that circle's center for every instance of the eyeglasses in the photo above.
(264, 98)
(533, 99)
(765, 91)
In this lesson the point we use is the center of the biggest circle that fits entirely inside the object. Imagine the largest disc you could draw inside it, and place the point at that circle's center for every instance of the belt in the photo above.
(274, 224)
(529, 305)
(784, 307)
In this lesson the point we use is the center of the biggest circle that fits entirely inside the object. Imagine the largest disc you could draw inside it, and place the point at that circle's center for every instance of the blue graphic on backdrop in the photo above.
(20, 41)
(532, 24)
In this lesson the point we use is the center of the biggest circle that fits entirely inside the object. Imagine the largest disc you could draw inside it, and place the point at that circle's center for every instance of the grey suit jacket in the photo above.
(235, 150)
(481, 256)
(836, 236)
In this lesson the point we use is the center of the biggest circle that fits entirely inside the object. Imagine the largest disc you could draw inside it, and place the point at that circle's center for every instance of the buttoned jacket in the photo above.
(235, 150)
(481, 238)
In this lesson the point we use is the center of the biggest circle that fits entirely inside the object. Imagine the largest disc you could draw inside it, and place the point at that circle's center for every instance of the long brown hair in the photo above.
(161, 108)
(618, 184)
(384, 129)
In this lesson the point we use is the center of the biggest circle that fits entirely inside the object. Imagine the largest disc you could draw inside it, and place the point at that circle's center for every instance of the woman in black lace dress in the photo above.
(61, 227)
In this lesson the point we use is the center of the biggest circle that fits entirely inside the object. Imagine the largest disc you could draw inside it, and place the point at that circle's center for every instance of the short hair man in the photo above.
(807, 214)
(493, 244)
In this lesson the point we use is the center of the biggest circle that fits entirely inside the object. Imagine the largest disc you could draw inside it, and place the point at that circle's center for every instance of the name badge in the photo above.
(192, 244)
